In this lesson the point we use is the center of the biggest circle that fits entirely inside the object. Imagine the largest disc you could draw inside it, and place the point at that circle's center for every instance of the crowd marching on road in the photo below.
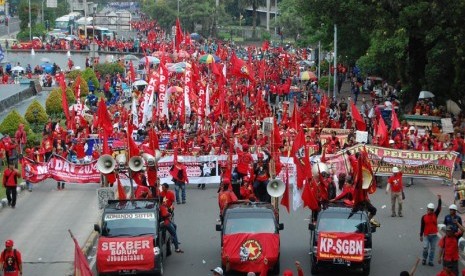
(216, 106)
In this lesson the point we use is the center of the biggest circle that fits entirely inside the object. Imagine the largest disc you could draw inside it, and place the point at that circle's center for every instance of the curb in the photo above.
(4, 201)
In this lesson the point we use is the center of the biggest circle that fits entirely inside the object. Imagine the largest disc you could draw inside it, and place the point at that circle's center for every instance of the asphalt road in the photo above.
(396, 244)
(21, 107)
(39, 225)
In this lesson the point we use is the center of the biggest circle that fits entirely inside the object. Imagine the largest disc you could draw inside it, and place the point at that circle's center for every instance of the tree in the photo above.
(53, 104)
(35, 113)
(11, 123)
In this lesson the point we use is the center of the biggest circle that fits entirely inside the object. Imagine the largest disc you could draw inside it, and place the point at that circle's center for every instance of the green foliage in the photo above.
(84, 88)
(11, 123)
(36, 114)
(323, 83)
(37, 30)
(53, 104)
(266, 36)
(109, 68)
(23, 13)
(34, 138)
(89, 74)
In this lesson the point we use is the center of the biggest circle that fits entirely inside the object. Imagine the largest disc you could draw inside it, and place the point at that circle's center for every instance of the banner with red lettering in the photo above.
(162, 96)
(149, 93)
(60, 170)
(115, 254)
(337, 245)
(418, 164)
(247, 251)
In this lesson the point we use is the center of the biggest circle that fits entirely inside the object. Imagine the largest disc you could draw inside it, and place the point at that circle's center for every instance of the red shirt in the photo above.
(10, 261)
(168, 198)
(450, 246)
(396, 183)
(224, 198)
(10, 178)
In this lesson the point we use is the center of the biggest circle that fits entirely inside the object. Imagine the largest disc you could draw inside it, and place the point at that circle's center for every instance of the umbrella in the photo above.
(160, 53)
(44, 59)
(176, 69)
(48, 68)
(130, 57)
(152, 60)
(179, 64)
(18, 68)
(209, 59)
(182, 54)
(139, 82)
(308, 75)
(174, 89)
(109, 58)
(195, 36)
(425, 95)
(452, 107)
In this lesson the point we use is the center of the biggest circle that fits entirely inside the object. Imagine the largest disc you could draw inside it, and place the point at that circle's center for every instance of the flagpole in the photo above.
(129, 155)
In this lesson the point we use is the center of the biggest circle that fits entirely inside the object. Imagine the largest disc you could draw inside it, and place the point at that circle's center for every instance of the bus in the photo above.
(100, 33)
(66, 23)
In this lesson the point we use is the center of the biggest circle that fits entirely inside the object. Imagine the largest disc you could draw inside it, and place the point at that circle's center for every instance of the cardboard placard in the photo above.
(361, 136)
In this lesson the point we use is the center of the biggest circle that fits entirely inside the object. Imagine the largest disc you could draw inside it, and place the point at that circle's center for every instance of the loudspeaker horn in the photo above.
(276, 188)
(136, 163)
(106, 164)
(367, 178)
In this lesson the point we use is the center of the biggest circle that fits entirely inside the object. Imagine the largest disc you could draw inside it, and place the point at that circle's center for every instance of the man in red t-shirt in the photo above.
(396, 187)
(10, 181)
(10, 260)
(167, 197)
(449, 249)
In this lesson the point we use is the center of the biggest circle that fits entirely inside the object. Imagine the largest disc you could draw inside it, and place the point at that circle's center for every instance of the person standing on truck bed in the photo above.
(165, 215)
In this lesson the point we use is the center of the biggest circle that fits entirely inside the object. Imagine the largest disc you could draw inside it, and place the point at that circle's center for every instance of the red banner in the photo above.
(247, 251)
(115, 254)
(60, 170)
(336, 245)
(162, 96)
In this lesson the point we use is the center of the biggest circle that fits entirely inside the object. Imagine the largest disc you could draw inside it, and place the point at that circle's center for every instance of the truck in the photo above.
(132, 239)
(250, 233)
(341, 239)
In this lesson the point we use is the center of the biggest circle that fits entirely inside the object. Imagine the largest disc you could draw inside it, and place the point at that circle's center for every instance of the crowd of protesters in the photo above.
(272, 87)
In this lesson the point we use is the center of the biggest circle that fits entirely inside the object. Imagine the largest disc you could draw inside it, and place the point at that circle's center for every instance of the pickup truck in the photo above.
(249, 233)
(132, 241)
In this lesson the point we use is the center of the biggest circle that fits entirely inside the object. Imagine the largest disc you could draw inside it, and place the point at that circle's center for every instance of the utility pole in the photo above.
(335, 61)
(268, 7)
(319, 60)
(30, 25)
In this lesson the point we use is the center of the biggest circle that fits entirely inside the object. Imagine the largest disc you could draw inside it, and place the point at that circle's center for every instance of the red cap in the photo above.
(9, 243)
(287, 272)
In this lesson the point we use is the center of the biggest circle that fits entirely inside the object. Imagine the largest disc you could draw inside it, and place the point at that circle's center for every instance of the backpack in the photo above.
(9, 267)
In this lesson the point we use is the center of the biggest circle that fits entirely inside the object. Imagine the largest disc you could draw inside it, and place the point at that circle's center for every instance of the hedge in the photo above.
(11, 123)
(36, 114)
(109, 68)
(53, 105)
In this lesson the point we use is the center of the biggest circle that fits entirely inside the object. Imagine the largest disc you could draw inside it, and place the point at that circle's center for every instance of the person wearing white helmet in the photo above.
(429, 231)
(396, 187)
(452, 218)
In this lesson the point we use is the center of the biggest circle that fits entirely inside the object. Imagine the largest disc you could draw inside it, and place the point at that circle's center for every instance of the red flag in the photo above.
(132, 147)
(359, 122)
(77, 87)
(153, 140)
(187, 38)
(394, 120)
(121, 191)
(105, 148)
(240, 69)
(298, 154)
(296, 120)
(259, 245)
(308, 195)
(285, 199)
(103, 119)
(265, 45)
(81, 267)
(179, 35)
(132, 72)
(64, 100)
(382, 133)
